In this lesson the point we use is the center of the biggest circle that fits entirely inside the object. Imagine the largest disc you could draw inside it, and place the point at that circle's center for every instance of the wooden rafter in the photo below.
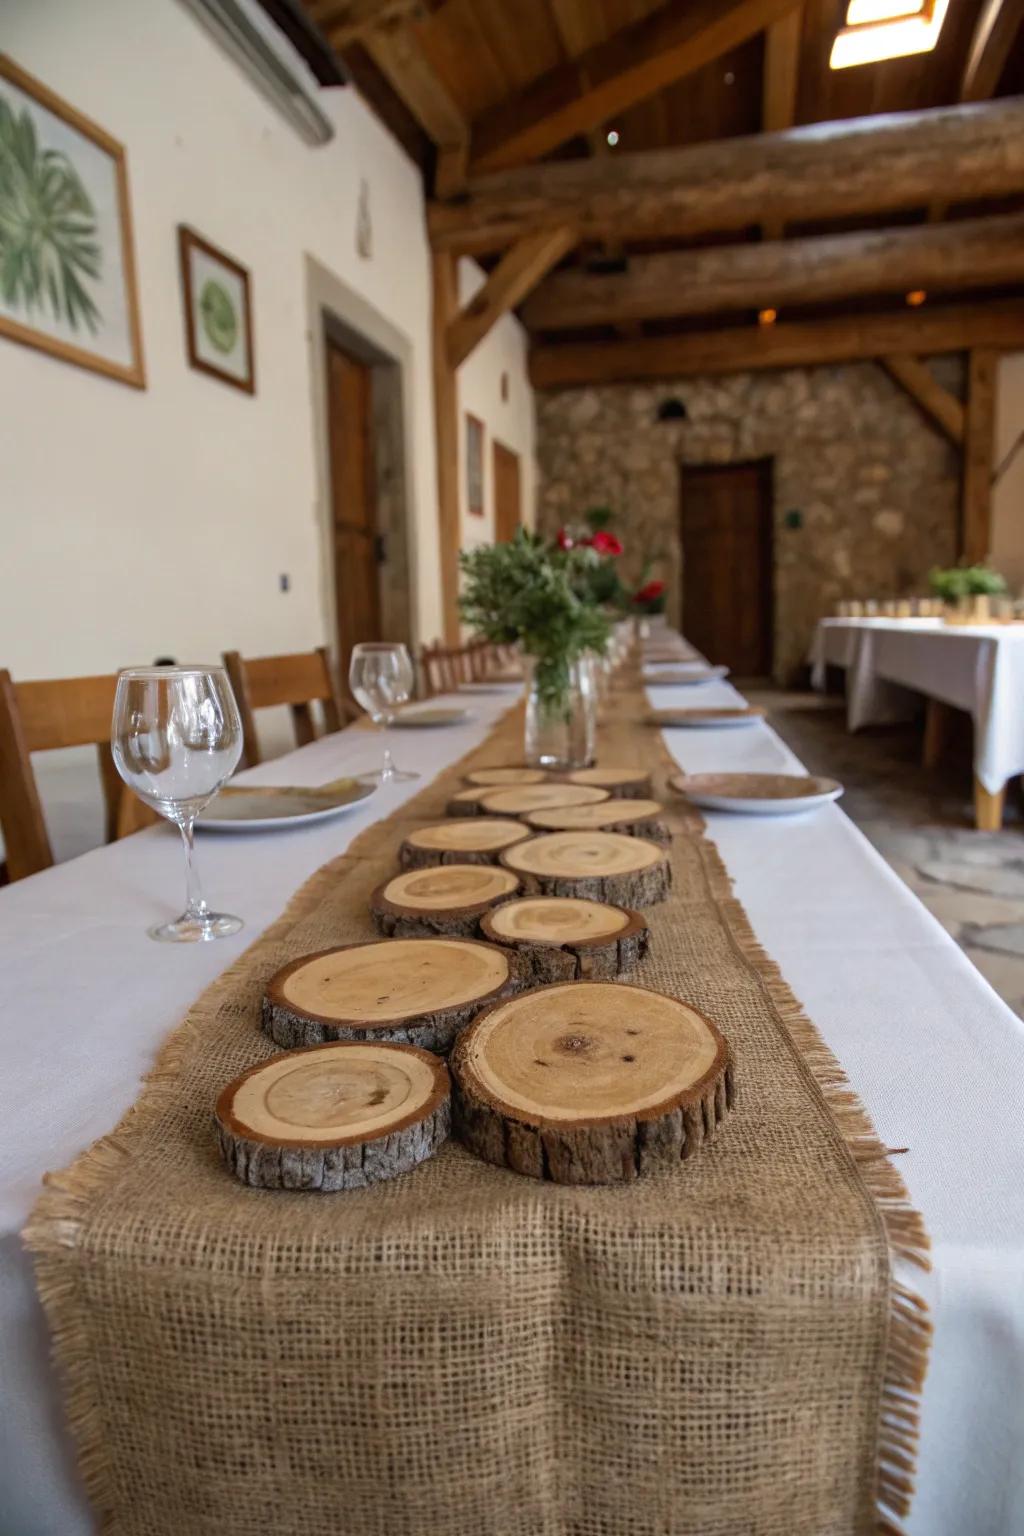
(828, 170)
(519, 270)
(630, 66)
(972, 253)
(779, 86)
(794, 345)
(396, 52)
(936, 402)
(343, 21)
(998, 25)
(979, 445)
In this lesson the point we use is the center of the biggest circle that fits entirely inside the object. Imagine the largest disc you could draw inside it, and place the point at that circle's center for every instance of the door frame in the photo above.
(765, 465)
(336, 312)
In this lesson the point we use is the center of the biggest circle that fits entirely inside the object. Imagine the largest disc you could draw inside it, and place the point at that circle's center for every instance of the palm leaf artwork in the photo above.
(49, 247)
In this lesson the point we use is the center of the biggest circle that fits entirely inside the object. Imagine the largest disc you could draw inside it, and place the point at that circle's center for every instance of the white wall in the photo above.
(141, 523)
(510, 421)
(1008, 494)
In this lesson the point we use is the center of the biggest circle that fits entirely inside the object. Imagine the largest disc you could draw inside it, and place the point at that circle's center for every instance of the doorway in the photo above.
(508, 511)
(726, 532)
(357, 546)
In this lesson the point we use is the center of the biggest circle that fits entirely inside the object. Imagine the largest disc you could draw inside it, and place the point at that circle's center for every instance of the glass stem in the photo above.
(387, 769)
(195, 906)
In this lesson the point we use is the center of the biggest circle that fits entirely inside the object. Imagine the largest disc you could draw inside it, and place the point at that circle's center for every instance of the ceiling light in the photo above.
(612, 136)
(767, 316)
(858, 12)
(916, 296)
(893, 39)
(730, 78)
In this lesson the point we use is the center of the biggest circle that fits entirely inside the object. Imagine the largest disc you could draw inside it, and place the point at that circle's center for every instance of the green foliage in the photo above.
(524, 592)
(599, 519)
(48, 236)
(966, 581)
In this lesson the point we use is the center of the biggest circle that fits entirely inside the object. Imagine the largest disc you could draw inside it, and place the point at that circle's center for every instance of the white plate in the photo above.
(267, 808)
(754, 805)
(489, 687)
(683, 677)
(698, 721)
(430, 715)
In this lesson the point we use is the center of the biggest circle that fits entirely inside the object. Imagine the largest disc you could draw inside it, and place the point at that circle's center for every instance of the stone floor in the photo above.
(921, 823)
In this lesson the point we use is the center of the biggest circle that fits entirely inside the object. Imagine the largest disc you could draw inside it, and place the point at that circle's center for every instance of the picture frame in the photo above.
(72, 289)
(474, 465)
(217, 299)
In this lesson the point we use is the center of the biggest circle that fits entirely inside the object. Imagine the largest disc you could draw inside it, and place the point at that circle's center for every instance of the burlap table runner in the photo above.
(720, 1350)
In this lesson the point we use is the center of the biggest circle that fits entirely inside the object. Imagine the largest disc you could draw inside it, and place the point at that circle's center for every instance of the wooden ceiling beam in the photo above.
(935, 401)
(797, 345)
(998, 25)
(345, 21)
(397, 54)
(979, 447)
(824, 170)
(518, 272)
(779, 86)
(973, 253)
(636, 62)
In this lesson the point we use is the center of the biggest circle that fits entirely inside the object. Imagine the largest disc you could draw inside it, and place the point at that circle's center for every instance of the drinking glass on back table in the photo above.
(176, 738)
(381, 677)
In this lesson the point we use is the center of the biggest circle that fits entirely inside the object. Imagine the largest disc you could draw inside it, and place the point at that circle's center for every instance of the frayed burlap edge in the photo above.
(59, 1215)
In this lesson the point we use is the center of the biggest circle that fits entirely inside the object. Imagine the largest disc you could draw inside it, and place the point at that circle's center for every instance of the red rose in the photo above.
(647, 594)
(605, 543)
(563, 539)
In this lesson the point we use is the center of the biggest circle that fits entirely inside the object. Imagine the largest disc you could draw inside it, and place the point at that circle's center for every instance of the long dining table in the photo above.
(934, 1054)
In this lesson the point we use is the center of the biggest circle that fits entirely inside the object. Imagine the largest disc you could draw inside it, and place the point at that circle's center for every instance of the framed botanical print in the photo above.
(218, 312)
(67, 263)
(474, 465)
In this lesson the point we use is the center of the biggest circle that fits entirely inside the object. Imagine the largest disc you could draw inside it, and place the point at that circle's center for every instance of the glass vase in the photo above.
(561, 733)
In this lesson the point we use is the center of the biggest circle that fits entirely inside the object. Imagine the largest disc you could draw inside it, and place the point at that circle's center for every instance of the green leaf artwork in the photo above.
(220, 320)
(49, 242)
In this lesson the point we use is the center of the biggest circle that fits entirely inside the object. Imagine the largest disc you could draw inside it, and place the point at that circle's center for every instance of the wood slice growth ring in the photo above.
(627, 782)
(590, 1082)
(563, 938)
(410, 991)
(465, 802)
(600, 866)
(490, 777)
(447, 899)
(338, 1116)
(523, 798)
(478, 841)
(633, 818)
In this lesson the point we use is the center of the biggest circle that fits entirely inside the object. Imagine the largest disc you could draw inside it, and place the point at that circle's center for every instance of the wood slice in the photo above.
(448, 899)
(568, 939)
(466, 802)
(338, 1116)
(532, 797)
(627, 782)
(601, 866)
(590, 1082)
(479, 841)
(489, 777)
(633, 818)
(411, 991)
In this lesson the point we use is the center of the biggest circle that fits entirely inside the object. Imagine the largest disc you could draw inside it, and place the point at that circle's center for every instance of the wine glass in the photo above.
(176, 738)
(381, 677)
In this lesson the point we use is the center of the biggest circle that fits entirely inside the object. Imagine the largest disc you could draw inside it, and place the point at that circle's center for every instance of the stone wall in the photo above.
(876, 485)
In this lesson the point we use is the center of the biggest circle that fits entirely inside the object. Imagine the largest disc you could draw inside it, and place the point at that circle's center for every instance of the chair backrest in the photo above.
(299, 680)
(41, 717)
(443, 668)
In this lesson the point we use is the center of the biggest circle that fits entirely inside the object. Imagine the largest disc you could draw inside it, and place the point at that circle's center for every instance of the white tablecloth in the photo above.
(937, 1058)
(978, 668)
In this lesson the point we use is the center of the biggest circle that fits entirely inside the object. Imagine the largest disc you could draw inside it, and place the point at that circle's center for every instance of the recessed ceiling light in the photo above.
(612, 136)
(860, 12)
(730, 78)
(916, 296)
(767, 316)
(895, 38)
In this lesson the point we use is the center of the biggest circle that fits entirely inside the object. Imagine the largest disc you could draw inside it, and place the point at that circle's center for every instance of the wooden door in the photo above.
(726, 527)
(356, 545)
(508, 511)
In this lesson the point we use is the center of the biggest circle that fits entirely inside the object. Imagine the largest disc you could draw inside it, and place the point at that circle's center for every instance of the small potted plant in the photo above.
(967, 592)
(539, 596)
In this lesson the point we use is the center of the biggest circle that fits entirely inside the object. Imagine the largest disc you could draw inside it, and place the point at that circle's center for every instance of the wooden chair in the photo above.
(443, 668)
(41, 717)
(299, 680)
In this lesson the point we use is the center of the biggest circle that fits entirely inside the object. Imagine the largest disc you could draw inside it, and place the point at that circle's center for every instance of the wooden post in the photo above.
(937, 719)
(979, 444)
(446, 418)
(988, 808)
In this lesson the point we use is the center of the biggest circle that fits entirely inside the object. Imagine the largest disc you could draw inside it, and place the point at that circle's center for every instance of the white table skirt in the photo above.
(977, 668)
(935, 1055)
